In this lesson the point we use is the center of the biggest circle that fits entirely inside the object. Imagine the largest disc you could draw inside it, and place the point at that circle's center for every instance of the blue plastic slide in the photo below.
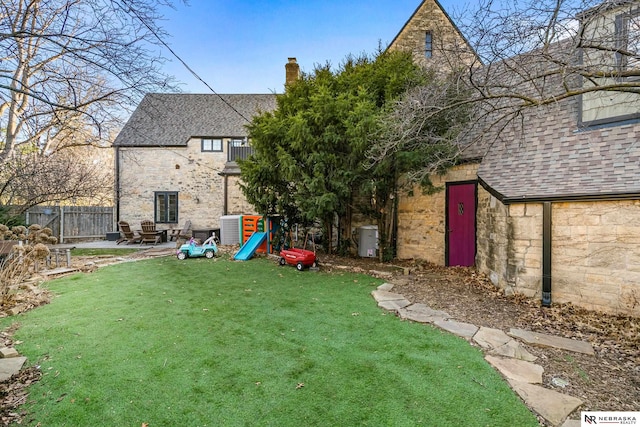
(249, 248)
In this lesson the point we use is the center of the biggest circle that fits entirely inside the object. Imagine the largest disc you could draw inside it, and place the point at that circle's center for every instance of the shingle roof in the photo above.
(171, 119)
(554, 159)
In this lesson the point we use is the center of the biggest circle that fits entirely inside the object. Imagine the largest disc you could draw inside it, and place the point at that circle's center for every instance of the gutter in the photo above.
(225, 193)
(584, 197)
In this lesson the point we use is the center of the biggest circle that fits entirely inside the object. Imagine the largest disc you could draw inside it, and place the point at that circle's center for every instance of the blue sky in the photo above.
(242, 46)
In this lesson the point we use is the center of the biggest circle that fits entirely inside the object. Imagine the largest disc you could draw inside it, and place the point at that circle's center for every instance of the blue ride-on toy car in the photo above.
(192, 249)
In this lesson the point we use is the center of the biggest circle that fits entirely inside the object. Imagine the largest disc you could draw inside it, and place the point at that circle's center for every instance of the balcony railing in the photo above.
(238, 149)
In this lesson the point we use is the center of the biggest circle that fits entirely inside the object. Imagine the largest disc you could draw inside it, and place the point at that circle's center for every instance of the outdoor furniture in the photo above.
(127, 235)
(205, 233)
(184, 233)
(149, 233)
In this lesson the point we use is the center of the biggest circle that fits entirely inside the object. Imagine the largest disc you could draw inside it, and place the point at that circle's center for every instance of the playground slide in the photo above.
(249, 248)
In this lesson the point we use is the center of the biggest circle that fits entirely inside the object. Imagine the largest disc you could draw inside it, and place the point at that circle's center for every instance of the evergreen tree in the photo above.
(308, 161)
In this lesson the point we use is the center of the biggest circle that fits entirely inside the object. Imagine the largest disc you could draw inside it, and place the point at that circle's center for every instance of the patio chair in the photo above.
(149, 233)
(184, 233)
(126, 234)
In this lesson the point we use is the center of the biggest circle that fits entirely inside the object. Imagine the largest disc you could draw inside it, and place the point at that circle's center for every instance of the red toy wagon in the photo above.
(301, 258)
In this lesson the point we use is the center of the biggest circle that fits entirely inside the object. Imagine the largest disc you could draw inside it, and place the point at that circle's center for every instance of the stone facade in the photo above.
(187, 170)
(596, 255)
(509, 244)
(421, 218)
(595, 251)
(448, 46)
(237, 203)
(595, 245)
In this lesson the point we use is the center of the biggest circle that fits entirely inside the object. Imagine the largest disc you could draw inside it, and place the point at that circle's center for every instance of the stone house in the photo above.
(175, 158)
(434, 39)
(552, 209)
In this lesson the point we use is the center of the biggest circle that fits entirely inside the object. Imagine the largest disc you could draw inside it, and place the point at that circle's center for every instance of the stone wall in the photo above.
(421, 218)
(509, 244)
(236, 202)
(595, 251)
(596, 255)
(189, 171)
(449, 47)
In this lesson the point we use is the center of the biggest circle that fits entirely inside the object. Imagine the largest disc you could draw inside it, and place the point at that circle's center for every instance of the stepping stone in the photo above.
(422, 313)
(390, 300)
(553, 406)
(464, 330)
(11, 366)
(7, 352)
(385, 287)
(518, 370)
(394, 305)
(497, 342)
(571, 423)
(546, 340)
(381, 296)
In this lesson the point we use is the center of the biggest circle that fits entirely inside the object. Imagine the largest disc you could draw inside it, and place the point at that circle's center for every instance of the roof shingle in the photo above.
(171, 119)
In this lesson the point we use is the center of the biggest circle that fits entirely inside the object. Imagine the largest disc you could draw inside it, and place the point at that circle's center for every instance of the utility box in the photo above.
(230, 229)
(368, 243)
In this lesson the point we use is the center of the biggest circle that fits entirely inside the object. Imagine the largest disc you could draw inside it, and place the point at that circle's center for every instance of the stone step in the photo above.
(422, 313)
(545, 340)
(553, 406)
(390, 300)
(518, 370)
(10, 366)
(497, 342)
(461, 329)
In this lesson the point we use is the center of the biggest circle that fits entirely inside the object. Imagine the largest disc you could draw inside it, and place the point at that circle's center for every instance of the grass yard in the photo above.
(103, 251)
(221, 343)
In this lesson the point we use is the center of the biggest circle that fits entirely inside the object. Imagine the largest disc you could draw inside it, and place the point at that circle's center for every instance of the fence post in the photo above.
(61, 224)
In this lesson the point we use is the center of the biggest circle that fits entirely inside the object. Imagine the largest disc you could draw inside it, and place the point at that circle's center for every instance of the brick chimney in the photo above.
(292, 71)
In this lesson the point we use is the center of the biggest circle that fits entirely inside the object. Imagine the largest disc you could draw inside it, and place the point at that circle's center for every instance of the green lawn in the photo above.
(221, 343)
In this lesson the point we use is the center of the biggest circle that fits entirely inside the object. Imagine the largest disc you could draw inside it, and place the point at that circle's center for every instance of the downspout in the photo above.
(546, 254)
(225, 206)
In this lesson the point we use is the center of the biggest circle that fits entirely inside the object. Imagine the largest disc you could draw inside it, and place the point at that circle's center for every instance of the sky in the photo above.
(242, 46)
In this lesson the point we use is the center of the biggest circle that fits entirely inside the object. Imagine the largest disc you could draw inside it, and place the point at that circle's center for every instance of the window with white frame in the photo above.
(211, 145)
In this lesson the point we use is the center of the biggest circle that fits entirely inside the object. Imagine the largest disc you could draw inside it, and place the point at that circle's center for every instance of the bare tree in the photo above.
(531, 54)
(68, 70)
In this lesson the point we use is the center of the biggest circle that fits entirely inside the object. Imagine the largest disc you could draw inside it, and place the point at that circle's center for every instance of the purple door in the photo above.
(461, 224)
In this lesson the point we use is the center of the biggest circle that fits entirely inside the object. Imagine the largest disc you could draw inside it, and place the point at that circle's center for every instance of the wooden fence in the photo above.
(74, 222)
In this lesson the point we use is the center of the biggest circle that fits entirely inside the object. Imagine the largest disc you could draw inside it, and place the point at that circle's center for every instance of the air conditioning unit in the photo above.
(230, 229)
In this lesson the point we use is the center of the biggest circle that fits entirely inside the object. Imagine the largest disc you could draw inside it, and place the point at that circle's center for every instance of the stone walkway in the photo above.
(503, 351)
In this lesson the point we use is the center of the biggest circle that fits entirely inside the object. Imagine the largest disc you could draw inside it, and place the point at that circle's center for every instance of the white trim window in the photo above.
(211, 145)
